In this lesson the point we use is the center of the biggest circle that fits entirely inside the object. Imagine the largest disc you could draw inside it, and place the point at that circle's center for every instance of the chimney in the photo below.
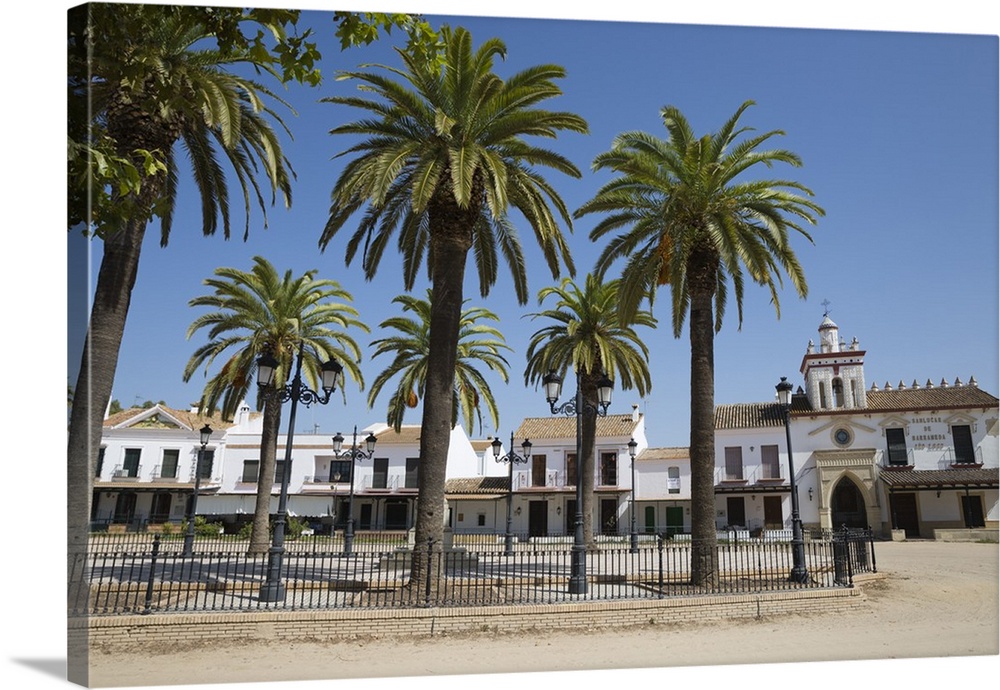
(635, 412)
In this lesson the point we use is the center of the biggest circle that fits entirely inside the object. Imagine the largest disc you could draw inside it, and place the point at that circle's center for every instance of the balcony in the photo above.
(763, 475)
(159, 476)
(896, 459)
(123, 473)
(951, 459)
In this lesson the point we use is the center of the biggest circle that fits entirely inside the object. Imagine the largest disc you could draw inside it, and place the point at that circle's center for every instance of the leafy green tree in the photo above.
(690, 215)
(477, 343)
(586, 336)
(442, 159)
(260, 311)
(148, 87)
(145, 82)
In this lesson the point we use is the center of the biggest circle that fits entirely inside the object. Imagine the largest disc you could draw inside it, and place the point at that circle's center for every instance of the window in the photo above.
(822, 395)
(412, 480)
(838, 393)
(965, 452)
(251, 468)
(896, 442)
(481, 520)
(131, 468)
(380, 473)
(168, 466)
(279, 471)
(673, 480)
(100, 461)
(571, 469)
(207, 459)
(769, 466)
(538, 470)
(340, 470)
(734, 463)
(609, 469)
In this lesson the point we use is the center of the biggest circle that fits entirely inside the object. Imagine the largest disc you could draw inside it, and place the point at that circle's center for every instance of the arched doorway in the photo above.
(847, 505)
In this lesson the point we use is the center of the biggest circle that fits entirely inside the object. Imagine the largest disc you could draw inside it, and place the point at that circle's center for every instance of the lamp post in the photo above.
(799, 573)
(511, 458)
(206, 434)
(634, 537)
(552, 383)
(355, 454)
(273, 589)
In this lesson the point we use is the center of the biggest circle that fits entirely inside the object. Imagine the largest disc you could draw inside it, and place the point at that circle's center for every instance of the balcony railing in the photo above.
(751, 474)
(125, 473)
(158, 473)
(951, 459)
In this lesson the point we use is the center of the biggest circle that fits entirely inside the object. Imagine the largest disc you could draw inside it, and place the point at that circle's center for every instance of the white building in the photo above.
(906, 459)
(915, 458)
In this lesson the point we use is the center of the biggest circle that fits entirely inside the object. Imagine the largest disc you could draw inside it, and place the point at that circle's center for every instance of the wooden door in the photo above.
(904, 514)
(773, 516)
(538, 518)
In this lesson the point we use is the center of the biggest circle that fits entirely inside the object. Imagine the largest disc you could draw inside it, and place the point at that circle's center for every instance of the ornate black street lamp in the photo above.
(206, 434)
(511, 458)
(355, 454)
(634, 537)
(273, 589)
(799, 573)
(552, 383)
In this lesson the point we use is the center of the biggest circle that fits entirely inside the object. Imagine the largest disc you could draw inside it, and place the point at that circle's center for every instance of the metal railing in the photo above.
(157, 578)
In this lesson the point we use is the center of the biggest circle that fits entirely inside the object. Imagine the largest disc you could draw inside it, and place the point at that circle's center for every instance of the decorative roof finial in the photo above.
(826, 307)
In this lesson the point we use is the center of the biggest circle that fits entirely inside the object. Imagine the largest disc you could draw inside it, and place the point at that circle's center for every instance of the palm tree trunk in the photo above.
(99, 361)
(704, 556)
(588, 435)
(449, 248)
(260, 533)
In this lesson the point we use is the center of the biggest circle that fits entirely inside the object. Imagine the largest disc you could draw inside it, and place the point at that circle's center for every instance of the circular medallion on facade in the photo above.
(842, 436)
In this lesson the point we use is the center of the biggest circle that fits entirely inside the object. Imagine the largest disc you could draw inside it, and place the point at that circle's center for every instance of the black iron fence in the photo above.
(158, 578)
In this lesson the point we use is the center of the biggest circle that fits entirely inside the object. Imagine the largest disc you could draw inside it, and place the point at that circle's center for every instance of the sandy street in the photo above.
(939, 600)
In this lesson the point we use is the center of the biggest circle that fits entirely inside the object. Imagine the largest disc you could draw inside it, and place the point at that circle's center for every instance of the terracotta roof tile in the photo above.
(190, 419)
(930, 398)
(476, 485)
(408, 435)
(980, 477)
(565, 427)
(674, 453)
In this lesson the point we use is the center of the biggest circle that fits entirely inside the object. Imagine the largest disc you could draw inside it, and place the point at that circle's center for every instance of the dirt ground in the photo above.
(938, 600)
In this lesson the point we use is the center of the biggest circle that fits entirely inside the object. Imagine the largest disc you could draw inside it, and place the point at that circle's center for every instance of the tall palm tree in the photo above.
(690, 216)
(260, 311)
(442, 159)
(150, 83)
(586, 335)
(477, 343)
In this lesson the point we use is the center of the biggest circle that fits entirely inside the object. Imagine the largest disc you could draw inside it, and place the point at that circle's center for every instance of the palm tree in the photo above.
(477, 342)
(690, 217)
(258, 311)
(442, 159)
(586, 335)
(145, 78)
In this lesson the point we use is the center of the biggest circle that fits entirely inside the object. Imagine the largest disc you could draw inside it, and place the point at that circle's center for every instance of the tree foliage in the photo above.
(478, 343)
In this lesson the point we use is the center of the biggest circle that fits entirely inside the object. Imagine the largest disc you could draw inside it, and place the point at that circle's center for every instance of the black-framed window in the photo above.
(380, 473)
(340, 470)
(571, 469)
(100, 461)
(168, 463)
(251, 470)
(965, 452)
(207, 460)
(131, 466)
(279, 469)
(895, 439)
(609, 469)
(412, 473)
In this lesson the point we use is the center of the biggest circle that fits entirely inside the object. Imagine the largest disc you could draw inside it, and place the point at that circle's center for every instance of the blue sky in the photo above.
(898, 136)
